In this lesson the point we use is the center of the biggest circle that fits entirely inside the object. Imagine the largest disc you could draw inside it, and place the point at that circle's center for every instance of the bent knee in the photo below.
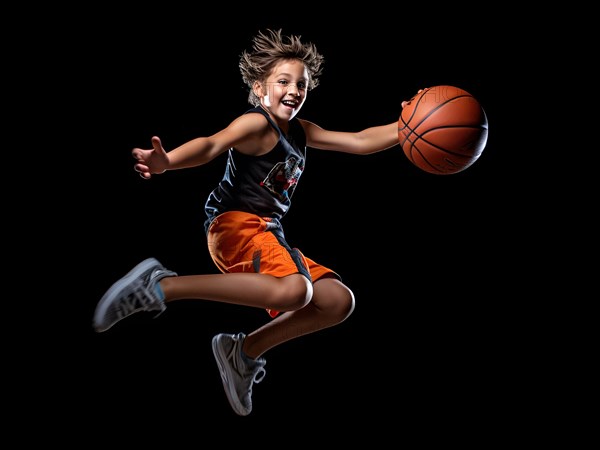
(342, 305)
(295, 292)
(334, 299)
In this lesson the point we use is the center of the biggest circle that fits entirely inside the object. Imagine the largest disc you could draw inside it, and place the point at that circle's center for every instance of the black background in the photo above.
(424, 354)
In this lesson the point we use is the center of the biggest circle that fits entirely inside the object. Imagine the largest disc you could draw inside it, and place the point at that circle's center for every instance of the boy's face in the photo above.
(285, 90)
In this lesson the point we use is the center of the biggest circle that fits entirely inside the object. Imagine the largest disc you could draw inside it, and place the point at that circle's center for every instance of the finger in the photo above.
(157, 144)
(137, 153)
(141, 168)
(143, 171)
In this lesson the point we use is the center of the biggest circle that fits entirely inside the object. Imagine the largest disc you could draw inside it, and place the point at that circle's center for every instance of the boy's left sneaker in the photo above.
(238, 373)
(136, 291)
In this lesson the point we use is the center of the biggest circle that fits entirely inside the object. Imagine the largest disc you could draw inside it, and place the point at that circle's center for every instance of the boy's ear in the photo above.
(258, 89)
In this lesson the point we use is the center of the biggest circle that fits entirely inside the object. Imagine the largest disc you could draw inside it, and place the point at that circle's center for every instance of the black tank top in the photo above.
(261, 185)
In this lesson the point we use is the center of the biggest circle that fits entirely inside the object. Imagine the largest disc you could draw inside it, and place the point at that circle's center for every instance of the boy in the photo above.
(266, 157)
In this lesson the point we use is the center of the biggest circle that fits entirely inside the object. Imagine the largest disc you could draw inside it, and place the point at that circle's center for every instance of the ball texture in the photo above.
(443, 130)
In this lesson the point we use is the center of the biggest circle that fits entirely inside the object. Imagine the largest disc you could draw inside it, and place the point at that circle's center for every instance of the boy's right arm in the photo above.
(197, 151)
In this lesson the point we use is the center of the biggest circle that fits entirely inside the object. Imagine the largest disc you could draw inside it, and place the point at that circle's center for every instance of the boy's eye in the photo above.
(300, 85)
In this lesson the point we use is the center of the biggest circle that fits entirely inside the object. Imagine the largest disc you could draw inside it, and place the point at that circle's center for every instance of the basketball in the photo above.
(443, 130)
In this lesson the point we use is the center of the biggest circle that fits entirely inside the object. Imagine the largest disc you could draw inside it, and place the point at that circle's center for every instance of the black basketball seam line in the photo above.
(432, 111)
(414, 148)
(412, 159)
(420, 137)
(436, 169)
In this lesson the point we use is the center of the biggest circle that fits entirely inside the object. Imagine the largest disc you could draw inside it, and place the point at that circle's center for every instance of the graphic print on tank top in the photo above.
(283, 178)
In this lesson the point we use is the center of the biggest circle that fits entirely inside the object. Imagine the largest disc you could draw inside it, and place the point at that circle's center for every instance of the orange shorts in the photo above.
(244, 242)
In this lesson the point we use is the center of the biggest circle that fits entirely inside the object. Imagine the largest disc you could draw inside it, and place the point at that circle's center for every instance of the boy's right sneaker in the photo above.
(136, 291)
(237, 372)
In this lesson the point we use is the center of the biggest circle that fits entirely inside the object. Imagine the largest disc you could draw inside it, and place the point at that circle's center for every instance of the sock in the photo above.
(159, 292)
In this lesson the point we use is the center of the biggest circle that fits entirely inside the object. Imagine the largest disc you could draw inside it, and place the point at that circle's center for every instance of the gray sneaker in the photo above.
(237, 373)
(135, 292)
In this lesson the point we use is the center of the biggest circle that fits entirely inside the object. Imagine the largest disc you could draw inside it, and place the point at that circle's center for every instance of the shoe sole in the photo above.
(223, 369)
(108, 297)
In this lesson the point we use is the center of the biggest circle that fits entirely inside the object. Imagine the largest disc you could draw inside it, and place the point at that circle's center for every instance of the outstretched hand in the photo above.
(152, 161)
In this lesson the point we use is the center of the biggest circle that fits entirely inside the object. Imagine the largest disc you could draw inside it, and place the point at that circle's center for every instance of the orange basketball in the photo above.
(443, 130)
